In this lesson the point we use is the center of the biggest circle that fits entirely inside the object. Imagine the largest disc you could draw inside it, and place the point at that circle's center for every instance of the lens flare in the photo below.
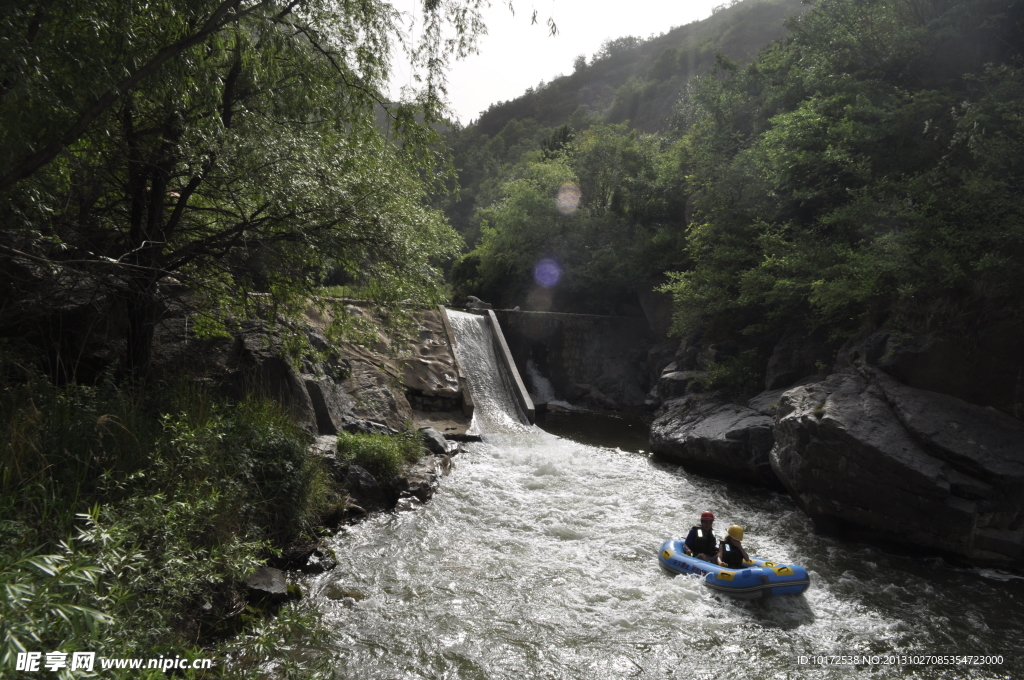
(568, 200)
(547, 273)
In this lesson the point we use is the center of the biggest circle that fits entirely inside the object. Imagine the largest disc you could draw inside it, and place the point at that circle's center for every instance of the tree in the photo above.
(856, 175)
(231, 146)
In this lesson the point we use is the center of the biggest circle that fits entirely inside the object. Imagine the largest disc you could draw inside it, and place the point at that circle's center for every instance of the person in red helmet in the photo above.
(700, 542)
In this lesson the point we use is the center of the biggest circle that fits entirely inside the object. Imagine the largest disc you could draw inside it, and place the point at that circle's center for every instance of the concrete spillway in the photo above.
(500, 400)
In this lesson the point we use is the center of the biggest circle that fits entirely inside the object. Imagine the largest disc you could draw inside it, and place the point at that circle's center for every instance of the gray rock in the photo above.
(318, 562)
(727, 440)
(653, 399)
(473, 302)
(360, 426)
(422, 478)
(364, 487)
(861, 451)
(767, 402)
(370, 385)
(268, 584)
(262, 370)
(436, 443)
(331, 404)
(676, 383)
(987, 369)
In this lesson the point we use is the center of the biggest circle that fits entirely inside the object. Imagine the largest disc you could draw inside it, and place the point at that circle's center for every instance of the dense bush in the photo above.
(864, 171)
(130, 523)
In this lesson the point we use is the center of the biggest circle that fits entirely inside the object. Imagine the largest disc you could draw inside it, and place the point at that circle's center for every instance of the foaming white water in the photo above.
(543, 391)
(537, 558)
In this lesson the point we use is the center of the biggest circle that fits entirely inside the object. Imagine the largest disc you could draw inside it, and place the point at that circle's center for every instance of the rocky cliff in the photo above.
(866, 450)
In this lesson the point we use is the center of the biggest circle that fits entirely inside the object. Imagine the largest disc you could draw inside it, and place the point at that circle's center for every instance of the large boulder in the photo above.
(726, 440)
(861, 451)
(332, 405)
(260, 367)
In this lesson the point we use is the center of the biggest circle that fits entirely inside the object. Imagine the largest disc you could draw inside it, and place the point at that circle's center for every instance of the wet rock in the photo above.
(422, 478)
(318, 562)
(364, 488)
(723, 439)
(408, 504)
(436, 443)
(861, 451)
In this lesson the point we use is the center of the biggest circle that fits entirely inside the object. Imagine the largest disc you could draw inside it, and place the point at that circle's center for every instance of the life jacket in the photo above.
(703, 542)
(731, 555)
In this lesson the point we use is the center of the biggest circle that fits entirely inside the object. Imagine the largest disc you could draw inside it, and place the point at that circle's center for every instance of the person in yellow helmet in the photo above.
(730, 551)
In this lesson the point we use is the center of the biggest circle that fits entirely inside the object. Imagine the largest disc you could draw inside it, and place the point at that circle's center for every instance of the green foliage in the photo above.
(235, 152)
(637, 81)
(128, 532)
(383, 456)
(613, 243)
(49, 601)
(858, 173)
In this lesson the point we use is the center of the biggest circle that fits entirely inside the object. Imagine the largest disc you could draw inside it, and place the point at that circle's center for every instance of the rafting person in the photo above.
(730, 551)
(700, 542)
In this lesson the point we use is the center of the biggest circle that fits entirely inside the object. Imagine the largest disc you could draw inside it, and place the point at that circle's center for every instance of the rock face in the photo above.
(795, 357)
(430, 373)
(988, 370)
(260, 368)
(726, 440)
(861, 451)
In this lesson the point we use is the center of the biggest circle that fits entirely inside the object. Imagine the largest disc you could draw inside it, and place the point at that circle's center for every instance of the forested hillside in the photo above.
(860, 171)
(629, 80)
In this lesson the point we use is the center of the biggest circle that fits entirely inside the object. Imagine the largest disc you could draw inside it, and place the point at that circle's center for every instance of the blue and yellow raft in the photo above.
(758, 579)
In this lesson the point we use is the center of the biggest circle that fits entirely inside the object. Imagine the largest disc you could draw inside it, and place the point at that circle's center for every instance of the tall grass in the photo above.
(382, 456)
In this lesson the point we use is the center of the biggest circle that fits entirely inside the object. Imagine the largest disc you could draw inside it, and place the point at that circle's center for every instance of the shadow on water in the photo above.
(597, 429)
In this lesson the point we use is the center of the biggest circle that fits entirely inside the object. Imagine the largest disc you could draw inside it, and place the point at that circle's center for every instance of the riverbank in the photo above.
(141, 522)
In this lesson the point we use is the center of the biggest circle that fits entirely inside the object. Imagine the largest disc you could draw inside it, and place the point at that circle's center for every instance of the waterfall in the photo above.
(496, 408)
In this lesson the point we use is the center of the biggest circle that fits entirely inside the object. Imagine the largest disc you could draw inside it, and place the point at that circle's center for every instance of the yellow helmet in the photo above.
(736, 531)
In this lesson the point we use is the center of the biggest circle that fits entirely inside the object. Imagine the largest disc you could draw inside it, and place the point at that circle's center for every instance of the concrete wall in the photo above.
(600, 361)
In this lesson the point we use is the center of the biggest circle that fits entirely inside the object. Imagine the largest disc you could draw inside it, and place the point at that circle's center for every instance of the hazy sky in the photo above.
(516, 55)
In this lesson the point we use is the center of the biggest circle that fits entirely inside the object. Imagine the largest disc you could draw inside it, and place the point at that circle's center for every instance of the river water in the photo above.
(537, 558)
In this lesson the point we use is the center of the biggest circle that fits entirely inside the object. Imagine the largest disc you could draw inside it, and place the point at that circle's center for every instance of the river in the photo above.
(537, 558)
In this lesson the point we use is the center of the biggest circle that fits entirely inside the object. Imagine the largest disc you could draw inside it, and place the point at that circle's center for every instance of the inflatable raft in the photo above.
(759, 578)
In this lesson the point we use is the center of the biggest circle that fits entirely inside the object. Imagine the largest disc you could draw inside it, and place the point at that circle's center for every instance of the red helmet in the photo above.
(707, 515)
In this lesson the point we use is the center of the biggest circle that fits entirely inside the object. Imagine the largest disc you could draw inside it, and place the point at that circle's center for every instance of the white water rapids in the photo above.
(537, 559)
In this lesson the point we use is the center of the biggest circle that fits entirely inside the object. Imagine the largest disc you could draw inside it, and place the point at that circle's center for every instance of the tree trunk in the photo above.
(144, 312)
